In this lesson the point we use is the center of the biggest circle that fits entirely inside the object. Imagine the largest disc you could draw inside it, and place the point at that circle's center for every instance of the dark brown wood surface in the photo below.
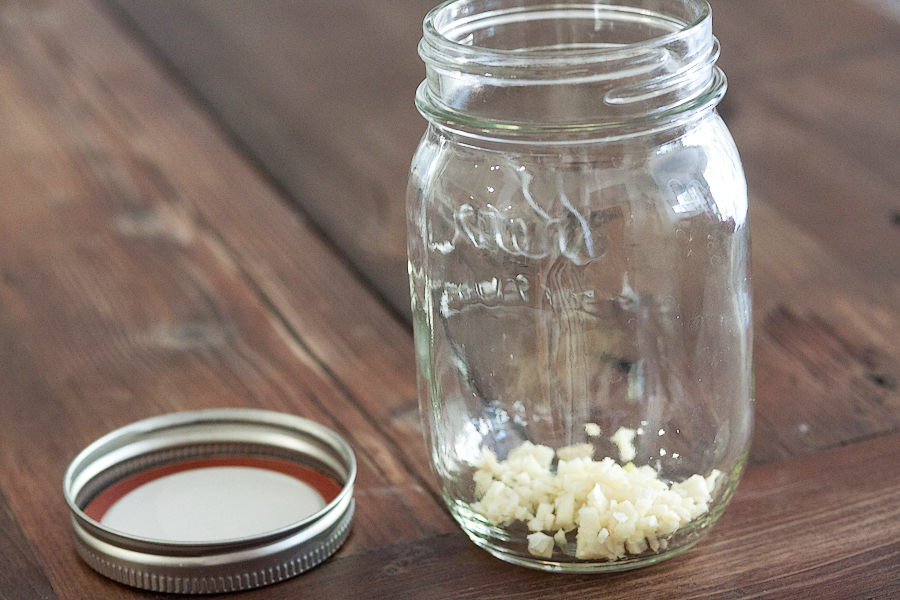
(789, 534)
(321, 92)
(149, 264)
(812, 104)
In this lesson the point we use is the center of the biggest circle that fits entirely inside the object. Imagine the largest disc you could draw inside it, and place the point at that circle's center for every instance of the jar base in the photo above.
(552, 566)
(509, 548)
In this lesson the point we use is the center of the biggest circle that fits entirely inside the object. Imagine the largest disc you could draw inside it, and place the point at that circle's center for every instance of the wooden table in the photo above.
(202, 207)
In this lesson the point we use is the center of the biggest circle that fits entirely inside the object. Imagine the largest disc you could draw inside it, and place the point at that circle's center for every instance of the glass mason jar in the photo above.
(579, 267)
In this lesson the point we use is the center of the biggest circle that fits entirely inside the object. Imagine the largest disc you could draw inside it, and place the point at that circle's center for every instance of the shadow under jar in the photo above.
(579, 269)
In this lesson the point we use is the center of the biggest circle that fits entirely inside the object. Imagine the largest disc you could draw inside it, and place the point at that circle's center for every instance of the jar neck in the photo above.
(560, 72)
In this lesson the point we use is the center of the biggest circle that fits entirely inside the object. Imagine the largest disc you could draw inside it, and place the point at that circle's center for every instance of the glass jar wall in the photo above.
(579, 268)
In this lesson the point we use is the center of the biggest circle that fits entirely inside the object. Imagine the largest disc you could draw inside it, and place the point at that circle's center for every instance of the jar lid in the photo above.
(211, 501)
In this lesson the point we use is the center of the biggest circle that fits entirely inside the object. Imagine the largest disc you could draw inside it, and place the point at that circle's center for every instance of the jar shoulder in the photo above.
(694, 169)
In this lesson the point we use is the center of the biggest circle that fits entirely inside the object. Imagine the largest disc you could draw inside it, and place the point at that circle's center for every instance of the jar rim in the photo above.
(438, 49)
(578, 69)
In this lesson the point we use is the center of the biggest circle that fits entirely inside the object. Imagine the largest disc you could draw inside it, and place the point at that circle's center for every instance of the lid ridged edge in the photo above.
(239, 581)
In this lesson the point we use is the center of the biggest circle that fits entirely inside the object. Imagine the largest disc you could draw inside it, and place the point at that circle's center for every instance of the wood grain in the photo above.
(825, 240)
(828, 66)
(765, 39)
(813, 106)
(829, 175)
(819, 527)
(147, 266)
(119, 301)
(20, 576)
(826, 345)
(851, 100)
(337, 131)
(816, 128)
(353, 336)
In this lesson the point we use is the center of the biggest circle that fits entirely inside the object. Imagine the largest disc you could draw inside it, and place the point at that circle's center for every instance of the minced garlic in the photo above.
(614, 510)
(623, 438)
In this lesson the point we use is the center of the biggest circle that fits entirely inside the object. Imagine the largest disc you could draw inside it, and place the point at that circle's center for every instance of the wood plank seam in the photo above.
(193, 96)
(123, 20)
(284, 322)
(117, 185)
